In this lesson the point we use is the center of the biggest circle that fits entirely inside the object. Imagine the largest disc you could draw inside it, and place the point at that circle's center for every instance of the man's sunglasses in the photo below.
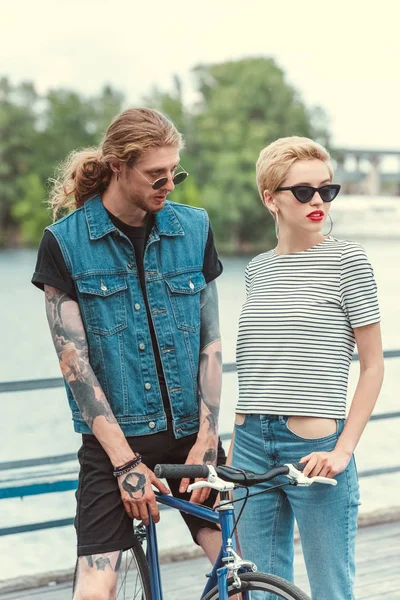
(304, 193)
(159, 183)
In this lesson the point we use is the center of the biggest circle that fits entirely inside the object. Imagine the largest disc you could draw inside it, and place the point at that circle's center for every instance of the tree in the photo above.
(243, 106)
(17, 134)
(36, 134)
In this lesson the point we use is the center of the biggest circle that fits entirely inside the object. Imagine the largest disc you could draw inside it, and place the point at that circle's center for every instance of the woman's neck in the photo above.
(289, 242)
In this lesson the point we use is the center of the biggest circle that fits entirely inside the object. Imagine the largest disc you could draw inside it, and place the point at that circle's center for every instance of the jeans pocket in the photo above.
(329, 437)
(353, 482)
(240, 420)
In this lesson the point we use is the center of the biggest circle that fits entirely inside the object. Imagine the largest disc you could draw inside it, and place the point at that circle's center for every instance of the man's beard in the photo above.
(147, 206)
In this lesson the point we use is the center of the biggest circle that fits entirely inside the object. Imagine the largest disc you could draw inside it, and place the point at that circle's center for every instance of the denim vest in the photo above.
(102, 263)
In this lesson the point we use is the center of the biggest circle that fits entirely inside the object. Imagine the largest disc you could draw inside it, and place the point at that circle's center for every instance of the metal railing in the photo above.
(43, 481)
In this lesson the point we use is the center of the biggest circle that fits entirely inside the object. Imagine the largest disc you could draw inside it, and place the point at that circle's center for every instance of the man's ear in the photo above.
(115, 166)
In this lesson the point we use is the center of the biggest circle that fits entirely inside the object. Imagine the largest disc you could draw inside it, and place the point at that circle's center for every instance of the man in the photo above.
(131, 300)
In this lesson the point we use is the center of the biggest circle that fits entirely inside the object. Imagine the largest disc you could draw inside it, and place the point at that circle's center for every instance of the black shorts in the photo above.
(101, 522)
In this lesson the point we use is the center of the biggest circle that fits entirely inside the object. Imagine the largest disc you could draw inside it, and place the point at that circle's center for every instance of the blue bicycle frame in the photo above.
(219, 574)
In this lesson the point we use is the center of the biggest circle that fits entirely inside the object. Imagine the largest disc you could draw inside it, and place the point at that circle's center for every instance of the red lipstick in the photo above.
(316, 215)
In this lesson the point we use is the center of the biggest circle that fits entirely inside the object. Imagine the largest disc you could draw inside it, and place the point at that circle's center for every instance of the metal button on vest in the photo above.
(147, 386)
(152, 424)
(130, 266)
(141, 346)
(137, 306)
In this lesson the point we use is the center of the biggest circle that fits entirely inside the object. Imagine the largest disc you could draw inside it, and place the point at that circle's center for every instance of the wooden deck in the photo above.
(378, 571)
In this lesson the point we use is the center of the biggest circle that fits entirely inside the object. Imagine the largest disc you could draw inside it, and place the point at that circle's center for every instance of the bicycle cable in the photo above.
(248, 495)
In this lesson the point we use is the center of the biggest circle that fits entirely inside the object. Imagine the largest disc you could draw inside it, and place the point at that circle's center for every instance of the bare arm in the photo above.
(209, 386)
(71, 345)
(369, 345)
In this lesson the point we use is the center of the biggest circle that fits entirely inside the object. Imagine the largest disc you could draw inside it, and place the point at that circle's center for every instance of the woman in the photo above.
(308, 301)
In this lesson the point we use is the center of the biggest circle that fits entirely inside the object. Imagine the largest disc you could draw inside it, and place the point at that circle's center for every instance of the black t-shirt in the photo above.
(51, 270)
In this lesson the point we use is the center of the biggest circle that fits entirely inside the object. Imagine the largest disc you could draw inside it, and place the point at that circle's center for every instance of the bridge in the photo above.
(367, 174)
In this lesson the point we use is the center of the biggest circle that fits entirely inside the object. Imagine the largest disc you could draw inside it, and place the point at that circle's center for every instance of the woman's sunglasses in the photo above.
(304, 193)
(159, 183)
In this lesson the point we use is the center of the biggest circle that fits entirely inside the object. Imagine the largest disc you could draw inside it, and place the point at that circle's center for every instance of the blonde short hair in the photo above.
(276, 159)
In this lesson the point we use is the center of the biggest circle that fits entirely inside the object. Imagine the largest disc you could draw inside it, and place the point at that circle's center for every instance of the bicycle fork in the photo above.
(231, 560)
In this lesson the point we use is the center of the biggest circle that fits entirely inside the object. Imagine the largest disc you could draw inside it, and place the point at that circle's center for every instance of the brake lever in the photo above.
(213, 482)
(301, 479)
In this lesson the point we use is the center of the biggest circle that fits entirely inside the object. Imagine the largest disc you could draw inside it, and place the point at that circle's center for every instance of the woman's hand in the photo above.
(326, 464)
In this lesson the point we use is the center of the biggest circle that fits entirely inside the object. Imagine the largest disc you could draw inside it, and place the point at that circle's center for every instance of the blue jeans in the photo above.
(326, 515)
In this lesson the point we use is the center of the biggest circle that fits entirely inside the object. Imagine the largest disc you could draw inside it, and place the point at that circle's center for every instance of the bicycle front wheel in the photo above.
(134, 577)
(260, 582)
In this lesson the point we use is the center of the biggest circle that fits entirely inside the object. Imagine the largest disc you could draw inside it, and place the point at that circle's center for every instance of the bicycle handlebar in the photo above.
(181, 471)
(230, 474)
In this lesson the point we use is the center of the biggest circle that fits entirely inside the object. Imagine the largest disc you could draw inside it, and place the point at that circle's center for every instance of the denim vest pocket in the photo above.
(184, 293)
(103, 299)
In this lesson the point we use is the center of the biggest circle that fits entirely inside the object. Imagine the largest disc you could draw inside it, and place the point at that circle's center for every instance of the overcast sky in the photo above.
(340, 54)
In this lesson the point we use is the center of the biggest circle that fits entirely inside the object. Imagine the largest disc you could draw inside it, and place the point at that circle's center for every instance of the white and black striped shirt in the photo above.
(296, 338)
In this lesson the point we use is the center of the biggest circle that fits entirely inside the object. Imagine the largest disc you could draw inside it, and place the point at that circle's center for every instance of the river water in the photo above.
(38, 423)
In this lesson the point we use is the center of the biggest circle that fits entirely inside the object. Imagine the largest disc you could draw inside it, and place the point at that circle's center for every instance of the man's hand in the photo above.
(205, 452)
(138, 495)
(325, 464)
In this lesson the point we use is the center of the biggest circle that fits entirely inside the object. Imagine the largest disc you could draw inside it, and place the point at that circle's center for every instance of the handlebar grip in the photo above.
(299, 466)
(180, 471)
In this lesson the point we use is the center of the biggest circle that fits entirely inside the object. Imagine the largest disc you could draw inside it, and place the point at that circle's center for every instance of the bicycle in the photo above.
(231, 576)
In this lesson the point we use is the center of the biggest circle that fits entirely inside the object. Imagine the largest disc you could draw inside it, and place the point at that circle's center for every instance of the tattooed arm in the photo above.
(209, 387)
(70, 342)
(71, 345)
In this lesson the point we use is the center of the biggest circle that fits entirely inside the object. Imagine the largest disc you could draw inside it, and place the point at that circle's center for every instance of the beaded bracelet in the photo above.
(118, 471)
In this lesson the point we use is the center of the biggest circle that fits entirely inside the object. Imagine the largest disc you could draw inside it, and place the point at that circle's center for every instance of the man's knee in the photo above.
(96, 577)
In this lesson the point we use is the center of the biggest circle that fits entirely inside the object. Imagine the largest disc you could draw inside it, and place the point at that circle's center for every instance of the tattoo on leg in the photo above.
(102, 562)
(89, 561)
(118, 563)
(133, 483)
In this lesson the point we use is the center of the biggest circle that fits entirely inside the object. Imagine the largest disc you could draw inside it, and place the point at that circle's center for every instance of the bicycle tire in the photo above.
(262, 582)
(133, 576)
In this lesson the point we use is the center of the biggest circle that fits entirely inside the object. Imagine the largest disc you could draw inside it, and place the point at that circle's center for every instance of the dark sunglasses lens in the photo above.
(303, 193)
(159, 183)
(179, 177)
(329, 192)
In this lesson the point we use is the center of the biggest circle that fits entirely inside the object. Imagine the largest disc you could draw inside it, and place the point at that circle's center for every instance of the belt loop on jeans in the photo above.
(270, 417)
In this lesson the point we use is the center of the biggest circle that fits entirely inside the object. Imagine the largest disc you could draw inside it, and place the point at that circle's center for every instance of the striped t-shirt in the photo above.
(296, 338)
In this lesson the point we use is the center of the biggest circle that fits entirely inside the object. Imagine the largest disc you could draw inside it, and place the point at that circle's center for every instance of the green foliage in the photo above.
(30, 210)
(36, 133)
(240, 107)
